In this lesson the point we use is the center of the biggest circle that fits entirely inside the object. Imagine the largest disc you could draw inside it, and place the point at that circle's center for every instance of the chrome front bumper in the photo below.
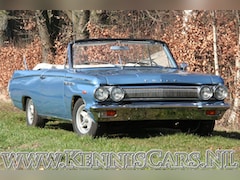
(159, 111)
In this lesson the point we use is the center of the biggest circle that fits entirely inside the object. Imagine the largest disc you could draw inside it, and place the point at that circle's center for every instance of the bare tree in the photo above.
(235, 111)
(79, 19)
(214, 26)
(44, 36)
(98, 16)
(3, 25)
(187, 14)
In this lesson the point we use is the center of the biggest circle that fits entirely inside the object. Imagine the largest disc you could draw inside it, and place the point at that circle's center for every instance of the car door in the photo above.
(51, 100)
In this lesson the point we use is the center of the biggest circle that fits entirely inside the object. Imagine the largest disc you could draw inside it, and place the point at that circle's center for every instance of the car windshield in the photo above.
(121, 53)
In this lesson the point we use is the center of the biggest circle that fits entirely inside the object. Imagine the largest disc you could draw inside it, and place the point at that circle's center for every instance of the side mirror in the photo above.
(183, 66)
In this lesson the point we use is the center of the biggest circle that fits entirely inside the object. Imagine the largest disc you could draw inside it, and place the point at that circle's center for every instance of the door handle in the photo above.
(42, 77)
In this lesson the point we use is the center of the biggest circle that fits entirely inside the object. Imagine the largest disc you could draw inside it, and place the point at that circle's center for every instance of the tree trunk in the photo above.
(47, 54)
(98, 16)
(235, 111)
(79, 19)
(3, 25)
(214, 26)
(186, 15)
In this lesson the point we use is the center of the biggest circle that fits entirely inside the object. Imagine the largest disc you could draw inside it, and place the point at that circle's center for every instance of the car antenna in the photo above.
(25, 62)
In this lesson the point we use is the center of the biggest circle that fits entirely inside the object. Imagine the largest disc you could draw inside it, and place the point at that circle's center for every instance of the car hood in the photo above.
(151, 75)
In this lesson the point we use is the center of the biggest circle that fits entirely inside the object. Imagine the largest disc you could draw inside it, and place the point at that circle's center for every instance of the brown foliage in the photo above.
(96, 31)
(12, 59)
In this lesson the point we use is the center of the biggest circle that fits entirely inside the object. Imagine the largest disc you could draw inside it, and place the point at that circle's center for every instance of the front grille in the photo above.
(161, 93)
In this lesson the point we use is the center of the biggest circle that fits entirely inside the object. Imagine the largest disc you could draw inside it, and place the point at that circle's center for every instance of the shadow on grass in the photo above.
(227, 134)
(135, 130)
(162, 131)
(64, 125)
(120, 129)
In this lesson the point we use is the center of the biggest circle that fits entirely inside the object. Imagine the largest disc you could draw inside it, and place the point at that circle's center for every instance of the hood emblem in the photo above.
(154, 80)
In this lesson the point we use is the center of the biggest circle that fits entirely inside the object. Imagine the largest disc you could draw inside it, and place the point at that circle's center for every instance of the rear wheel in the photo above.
(83, 124)
(32, 117)
(202, 128)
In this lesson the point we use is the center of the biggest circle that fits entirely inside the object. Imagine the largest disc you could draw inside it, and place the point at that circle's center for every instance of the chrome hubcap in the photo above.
(83, 120)
(30, 112)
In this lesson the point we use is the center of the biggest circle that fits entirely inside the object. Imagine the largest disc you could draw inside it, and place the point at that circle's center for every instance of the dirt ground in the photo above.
(4, 98)
(4, 95)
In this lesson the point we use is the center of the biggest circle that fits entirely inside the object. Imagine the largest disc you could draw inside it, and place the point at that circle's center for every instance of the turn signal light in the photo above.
(111, 113)
(211, 112)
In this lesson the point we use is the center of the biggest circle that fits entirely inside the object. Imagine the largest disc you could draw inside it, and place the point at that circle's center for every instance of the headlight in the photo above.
(117, 94)
(221, 92)
(101, 93)
(206, 93)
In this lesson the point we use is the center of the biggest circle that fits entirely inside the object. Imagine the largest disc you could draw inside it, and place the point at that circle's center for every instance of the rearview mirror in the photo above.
(121, 48)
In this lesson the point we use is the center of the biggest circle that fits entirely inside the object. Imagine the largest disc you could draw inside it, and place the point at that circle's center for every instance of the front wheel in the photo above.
(32, 117)
(82, 122)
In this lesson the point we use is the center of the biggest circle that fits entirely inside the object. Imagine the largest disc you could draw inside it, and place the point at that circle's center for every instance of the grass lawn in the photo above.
(58, 136)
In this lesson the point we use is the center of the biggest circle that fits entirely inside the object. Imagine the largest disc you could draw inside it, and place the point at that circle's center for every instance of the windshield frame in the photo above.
(92, 42)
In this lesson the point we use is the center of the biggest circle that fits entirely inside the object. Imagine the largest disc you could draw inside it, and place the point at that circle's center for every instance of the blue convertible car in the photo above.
(112, 80)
